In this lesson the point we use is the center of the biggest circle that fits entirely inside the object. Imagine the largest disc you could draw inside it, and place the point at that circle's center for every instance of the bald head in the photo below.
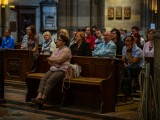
(107, 36)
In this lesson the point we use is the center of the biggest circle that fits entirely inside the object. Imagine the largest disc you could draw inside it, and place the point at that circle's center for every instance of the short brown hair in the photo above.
(64, 39)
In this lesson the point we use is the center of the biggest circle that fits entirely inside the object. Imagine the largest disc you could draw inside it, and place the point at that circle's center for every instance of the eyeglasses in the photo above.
(59, 39)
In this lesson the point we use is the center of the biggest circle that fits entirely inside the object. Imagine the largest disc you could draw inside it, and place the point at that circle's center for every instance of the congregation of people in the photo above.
(90, 41)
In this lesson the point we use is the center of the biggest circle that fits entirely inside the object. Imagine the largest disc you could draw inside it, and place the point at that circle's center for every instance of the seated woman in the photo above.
(65, 33)
(48, 45)
(105, 49)
(59, 62)
(132, 56)
(148, 48)
(80, 48)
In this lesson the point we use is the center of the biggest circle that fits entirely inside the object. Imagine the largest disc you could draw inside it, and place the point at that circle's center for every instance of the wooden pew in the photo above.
(2, 96)
(16, 63)
(96, 89)
(33, 78)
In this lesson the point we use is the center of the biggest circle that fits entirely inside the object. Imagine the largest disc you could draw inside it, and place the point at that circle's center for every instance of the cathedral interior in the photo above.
(53, 15)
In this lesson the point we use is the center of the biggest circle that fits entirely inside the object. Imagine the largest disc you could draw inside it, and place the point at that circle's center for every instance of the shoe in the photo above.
(34, 100)
(41, 101)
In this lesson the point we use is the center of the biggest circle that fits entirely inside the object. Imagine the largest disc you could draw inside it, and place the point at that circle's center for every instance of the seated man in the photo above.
(99, 38)
(105, 49)
(132, 56)
(59, 62)
(8, 40)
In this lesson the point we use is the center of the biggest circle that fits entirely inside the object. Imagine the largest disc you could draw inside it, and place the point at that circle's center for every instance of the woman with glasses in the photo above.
(59, 62)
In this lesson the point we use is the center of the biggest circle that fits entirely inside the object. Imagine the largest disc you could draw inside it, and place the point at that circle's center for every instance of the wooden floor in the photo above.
(16, 108)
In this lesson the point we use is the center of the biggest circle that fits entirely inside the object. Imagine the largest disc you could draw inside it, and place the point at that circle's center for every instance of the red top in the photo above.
(91, 40)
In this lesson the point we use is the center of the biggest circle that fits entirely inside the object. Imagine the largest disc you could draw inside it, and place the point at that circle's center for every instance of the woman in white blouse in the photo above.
(148, 48)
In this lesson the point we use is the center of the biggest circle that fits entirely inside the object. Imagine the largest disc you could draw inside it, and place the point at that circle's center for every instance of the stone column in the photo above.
(157, 69)
(74, 10)
(158, 13)
(101, 14)
(7, 15)
(146, 14)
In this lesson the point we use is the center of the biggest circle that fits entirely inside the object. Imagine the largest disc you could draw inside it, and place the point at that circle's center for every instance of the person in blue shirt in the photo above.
(107, 48)
(8, 40)
(99, 38)
(133, 59)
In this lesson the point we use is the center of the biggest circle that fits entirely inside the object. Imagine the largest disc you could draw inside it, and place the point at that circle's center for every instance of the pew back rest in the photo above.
(91, 66)
(94, 67)
(42, 64)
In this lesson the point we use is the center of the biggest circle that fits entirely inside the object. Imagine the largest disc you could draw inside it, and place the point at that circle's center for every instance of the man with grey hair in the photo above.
(107, 48)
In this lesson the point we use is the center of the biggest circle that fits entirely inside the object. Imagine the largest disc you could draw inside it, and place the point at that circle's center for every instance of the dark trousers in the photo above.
(130, 72)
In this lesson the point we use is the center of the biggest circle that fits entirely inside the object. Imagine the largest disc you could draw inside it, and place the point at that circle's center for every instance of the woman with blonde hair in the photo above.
(81, 47)
(48, 45)
(65, 33)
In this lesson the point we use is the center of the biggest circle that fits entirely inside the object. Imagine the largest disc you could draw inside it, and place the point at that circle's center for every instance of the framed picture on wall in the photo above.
(111, 13)
(118, 12)
(48, 15)
(127, 12)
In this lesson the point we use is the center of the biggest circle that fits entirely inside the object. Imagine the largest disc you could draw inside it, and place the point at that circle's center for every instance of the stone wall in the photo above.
(122, 23)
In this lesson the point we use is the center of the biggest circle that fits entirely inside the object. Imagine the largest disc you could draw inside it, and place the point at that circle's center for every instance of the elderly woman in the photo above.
(48, 45)
(59, 62)
(148, 48)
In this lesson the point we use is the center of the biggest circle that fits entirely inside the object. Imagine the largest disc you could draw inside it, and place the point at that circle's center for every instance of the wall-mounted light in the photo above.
(10, 6)
(4, 2)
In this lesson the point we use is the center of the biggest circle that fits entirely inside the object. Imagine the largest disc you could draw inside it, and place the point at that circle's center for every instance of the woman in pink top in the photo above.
(148, 48)
(59, 62)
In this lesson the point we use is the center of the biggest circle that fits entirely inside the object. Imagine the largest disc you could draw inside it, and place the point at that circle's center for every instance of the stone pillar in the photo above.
(157, 69)
(146, 14)
(7, 15)
(101, 14)
(93, 12)
(74, 10)
(158, 13)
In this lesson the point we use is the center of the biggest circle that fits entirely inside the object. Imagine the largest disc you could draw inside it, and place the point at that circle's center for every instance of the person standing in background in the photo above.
(30, 42)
